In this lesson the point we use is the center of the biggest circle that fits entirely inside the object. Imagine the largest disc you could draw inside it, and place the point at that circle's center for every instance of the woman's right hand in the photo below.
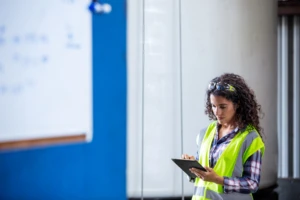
(187, 157)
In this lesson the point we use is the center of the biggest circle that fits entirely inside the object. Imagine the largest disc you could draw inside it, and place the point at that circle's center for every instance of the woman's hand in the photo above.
(210, 175)
(187, 157)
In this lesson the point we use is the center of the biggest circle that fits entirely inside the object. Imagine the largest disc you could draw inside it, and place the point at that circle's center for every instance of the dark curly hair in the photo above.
(248, 110)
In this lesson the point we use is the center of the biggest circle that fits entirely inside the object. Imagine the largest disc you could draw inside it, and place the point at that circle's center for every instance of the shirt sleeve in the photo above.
(192, 180)
(250, 179)
(199, 139)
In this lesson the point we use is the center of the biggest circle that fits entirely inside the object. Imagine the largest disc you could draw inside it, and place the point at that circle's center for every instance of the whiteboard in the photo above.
(45, 69)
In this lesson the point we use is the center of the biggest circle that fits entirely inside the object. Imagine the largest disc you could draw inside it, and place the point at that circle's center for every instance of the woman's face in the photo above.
(223, 109)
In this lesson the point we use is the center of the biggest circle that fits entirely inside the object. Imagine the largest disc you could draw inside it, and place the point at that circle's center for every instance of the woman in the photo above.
(231, 147)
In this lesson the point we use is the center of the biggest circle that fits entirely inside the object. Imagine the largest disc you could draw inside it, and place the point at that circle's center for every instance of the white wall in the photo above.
(161, 99)
(241, 38)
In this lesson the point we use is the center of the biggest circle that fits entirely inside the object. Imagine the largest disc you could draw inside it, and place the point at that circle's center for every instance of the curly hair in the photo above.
(248, 110)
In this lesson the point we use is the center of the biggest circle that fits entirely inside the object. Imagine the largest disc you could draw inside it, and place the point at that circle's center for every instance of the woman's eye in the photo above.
(222, 107)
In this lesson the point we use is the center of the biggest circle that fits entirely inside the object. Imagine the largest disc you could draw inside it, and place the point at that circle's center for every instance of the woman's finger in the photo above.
(184, 156)
(187, 157)
(208, 169)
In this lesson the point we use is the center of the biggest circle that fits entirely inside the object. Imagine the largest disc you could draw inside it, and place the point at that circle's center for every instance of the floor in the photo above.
(288, 189)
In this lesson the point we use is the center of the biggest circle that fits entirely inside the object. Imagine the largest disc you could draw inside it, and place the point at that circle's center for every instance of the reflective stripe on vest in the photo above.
(229, 164)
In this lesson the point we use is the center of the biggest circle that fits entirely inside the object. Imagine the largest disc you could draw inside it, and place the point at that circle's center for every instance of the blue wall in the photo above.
(83, 171)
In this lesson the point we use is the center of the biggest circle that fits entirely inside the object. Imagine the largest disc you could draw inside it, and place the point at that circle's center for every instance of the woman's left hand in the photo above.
(210, 175)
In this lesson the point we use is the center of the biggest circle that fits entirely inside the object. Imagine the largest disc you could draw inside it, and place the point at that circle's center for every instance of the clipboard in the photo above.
(185, 165)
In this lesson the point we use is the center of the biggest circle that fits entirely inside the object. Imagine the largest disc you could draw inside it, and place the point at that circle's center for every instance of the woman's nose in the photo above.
(218, 111)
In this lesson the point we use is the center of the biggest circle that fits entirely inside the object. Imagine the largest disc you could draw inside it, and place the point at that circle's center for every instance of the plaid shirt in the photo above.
(249, 181)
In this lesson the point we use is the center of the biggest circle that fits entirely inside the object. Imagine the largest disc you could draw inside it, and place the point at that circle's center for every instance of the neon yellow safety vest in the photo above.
(229, 164)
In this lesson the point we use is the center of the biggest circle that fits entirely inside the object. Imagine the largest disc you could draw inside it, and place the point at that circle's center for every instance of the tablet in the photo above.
(185, 165)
